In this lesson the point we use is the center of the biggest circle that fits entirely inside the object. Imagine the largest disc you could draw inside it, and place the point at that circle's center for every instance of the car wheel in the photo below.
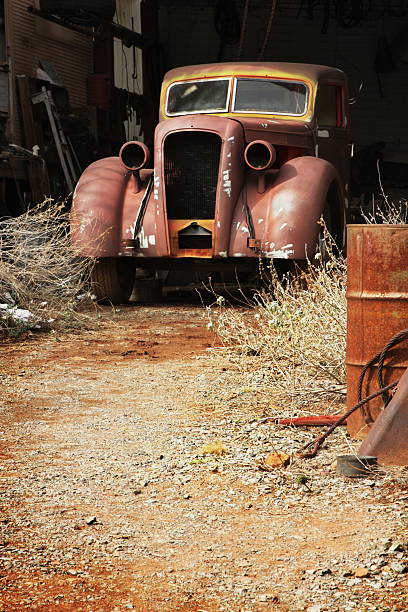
(331, 235)
(112, 279)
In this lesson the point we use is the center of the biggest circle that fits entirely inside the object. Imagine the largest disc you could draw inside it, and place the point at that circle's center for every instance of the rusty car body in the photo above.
(247, 159)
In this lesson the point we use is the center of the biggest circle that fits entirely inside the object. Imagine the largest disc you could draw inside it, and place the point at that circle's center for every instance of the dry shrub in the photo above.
(385, 210)
(40, 275)
(290, 340)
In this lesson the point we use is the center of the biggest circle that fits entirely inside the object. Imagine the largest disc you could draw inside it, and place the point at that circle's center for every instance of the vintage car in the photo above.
(248, 157)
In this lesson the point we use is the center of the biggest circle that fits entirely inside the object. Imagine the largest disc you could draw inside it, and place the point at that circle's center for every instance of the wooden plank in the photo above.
(37, 170)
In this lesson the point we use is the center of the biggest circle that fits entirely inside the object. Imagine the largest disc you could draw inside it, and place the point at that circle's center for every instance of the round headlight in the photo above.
(260, 155)
(134, 155)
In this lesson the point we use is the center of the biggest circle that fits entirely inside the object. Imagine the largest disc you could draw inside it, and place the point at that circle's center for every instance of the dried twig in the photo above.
(39, 270)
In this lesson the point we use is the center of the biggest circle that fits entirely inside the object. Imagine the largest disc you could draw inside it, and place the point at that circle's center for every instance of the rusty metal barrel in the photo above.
(377, 309)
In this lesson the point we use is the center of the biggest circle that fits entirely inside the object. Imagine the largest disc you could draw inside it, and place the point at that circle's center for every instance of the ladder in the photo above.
(64, 147)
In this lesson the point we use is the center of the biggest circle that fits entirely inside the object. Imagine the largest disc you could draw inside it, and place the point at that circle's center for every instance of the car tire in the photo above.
(112, 279)
(335, 226)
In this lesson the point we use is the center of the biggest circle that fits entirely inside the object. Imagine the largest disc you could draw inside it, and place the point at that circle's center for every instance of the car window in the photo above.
(210, 95)
(270, 96)
(328, 107)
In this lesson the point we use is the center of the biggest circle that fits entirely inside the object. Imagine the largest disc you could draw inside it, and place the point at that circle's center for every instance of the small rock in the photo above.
(395, 547)
(277, 460)
(383, 545)
(263, 597)
(91, 520)
(400, 568)
(245, 580)
(362, 572)
(214, 448)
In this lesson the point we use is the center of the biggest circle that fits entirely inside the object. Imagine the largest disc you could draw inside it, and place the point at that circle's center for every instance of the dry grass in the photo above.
(39, 271)
(385, 210)
(290, 340)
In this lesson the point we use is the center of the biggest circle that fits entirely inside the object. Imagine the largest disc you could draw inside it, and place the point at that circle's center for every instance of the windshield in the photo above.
(210, 95)
(269, 96)
(251, 95)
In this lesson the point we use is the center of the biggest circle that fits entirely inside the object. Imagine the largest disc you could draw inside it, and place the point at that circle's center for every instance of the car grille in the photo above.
(191, 161)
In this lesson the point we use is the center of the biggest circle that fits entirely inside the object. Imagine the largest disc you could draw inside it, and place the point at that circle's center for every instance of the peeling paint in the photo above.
(152, 239)
(287, 246)
(260, 221)
(131, 229)
(238, 224)
(283, 226)
(279, 254)
(229, 154)
(218, 224)
(222, 253)
(156, 183)
(143, 240)
(227, 185)
(231, 138)
(238, 255)
(244, 229)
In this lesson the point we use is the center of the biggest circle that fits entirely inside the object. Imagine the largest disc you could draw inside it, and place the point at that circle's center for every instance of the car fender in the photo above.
(285, 217)
(97, 207)
(104, 208)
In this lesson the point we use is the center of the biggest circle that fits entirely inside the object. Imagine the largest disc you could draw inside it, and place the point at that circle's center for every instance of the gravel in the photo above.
(109, 504)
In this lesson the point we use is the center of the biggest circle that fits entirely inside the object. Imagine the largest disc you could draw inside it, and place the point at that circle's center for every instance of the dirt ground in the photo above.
(108, 504)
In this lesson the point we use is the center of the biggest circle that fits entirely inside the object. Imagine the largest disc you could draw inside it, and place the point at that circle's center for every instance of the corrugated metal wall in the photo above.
(31, 39)
(189, 37)
(128, 73)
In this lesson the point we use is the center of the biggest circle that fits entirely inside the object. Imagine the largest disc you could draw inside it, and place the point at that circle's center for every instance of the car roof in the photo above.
(312, 72)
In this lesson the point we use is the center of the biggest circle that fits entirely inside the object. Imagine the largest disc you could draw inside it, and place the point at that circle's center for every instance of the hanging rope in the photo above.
(227, 25)
(268, 29)
(243, 29)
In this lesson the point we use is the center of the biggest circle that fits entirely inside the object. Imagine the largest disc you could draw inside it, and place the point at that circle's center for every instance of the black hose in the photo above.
(227, 24)
(317, 442)
(379, 359)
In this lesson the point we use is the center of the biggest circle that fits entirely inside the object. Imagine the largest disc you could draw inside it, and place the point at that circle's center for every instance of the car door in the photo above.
(332, 126)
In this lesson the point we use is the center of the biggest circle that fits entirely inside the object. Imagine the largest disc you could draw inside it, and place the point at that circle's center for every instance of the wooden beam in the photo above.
(37, 170)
